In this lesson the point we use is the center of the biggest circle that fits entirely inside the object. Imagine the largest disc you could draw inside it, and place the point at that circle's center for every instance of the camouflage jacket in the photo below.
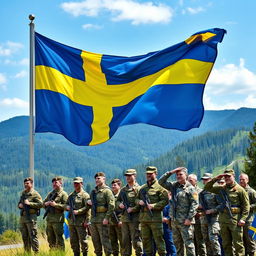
(104, 206)
(252, 198)
(131, 194)
(238, 199)
(184, 202)
(56, 213)
(36, 203)
(80, 204)
(116, 217)
(158, 197)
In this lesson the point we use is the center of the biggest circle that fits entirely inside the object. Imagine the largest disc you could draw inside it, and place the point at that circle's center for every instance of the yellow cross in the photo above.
(254, 231)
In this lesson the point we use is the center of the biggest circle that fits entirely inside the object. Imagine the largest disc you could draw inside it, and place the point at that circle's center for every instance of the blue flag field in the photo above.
(87, 96)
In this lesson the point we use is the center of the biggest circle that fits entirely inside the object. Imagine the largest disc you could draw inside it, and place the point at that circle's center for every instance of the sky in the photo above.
(128, 28)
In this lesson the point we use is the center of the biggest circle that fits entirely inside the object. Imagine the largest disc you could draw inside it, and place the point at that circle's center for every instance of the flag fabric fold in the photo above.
(87, 96)
(252, 228)
(65, 226)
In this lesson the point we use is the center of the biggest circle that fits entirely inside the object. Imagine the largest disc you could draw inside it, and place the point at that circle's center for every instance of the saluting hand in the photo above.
(176, 170)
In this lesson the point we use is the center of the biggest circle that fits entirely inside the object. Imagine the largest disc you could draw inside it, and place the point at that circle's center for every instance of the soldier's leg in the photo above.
(134, 228)
(104, 234)
(187, 233)
(198, 238)
(50, 235)
(119, 237)
(177, 238)
(113, 239)
(96, 240)
(25, 237)
(147, 238)
(226, 239)
(126, 239)
(249, 243)
(237, 239)
(74, 240)
(158, 234)
(213, 232)
(58, 231)
(83, 239)
(32, 230)
(205, 235)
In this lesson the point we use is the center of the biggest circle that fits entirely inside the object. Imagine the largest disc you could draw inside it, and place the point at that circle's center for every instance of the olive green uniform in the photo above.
(55, 219)
(185, 208)
(249, 243)
(131, 234)
(151, 226)
(78, 233)
(231, 233)
(28, 221)
(115, 233)
(102, 209)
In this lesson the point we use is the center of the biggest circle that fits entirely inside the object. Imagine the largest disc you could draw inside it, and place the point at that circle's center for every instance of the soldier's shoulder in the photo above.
(85, 194)
(239, 188)
(34, 192)
(143, 186)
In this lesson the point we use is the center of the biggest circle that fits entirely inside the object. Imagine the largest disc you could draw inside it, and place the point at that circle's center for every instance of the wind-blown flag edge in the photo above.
(65, 76)
(252, 228)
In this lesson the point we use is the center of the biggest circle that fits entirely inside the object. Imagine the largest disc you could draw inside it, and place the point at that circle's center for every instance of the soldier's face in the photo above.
(56, 184)
(192, 181)
(243, 180)
(181, 177)
(229, 179)
(151, 177)
(130, 178)
(100, 180)
(28, 185)
(115, 187)
(205, 181)
(78, 186)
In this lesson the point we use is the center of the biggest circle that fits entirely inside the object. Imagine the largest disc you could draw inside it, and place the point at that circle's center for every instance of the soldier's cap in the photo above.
(56, 178)
(151, 169)
(229, 172)
(98, 174)
(78, 180)
(130, 172)
(207, 176)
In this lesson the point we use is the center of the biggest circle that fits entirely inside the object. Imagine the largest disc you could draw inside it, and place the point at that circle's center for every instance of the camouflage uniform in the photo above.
(131, 233)
(231, 233)
(200, 247)
(105, 205)
(115, 233)
(55, 219)
(250, 244)
(152, 227)
(78, 233)
(28, 224)
(186, 206)
(210, 225)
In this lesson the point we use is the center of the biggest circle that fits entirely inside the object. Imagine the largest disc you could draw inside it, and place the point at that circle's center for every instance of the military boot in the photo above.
(76, 253)
(85, 253)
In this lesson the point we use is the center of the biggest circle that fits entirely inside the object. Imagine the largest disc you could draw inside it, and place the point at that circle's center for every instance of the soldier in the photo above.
(79, 215)
(115, 233)
(130, 214)
(184, 206)
(30, 203)
(209, 219)
(152, 199)
(198, 237)
(103, 205)
(250, 245)
(54, 205)
(235, 211)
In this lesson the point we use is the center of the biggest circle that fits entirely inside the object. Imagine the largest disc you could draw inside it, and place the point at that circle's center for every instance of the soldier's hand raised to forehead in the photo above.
(177, 169)
(220, 176)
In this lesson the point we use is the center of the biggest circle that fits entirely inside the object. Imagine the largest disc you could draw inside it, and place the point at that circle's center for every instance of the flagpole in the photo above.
(31, 95)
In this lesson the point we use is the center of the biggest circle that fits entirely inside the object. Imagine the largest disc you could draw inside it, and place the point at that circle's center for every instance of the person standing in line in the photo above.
(29, 204)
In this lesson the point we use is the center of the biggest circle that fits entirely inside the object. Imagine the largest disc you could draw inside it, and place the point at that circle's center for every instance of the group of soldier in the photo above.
(209, 221)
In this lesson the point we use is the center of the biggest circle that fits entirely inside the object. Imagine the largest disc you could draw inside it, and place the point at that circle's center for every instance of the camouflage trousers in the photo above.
(29, 236)
(131, 236)
(100, 238)
(54, 231)
(249, 243)
(232, 237)
(150, 231)
(211, 238)
(78, 237)
(183, 235)
(200, 247)
(115, 235)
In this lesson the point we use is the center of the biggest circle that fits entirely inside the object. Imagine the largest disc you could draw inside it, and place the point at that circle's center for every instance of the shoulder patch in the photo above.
(195, 195)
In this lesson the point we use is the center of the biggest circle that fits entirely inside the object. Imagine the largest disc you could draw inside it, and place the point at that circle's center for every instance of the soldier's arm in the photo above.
(163, 200)
(119, 199)
(63, 201)
(163, 181)
(46, 199)
(253, 200)
(213, 189)
(193, 198)
(37, 201)
(111, 204)
(245, 205)
(85, 208)
(136, 208)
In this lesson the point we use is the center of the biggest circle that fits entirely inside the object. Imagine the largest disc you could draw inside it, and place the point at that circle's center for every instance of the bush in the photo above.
(10, 237)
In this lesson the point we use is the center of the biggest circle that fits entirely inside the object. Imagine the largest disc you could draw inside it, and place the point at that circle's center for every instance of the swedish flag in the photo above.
(252, 229)
(65, 226)
(86, 96)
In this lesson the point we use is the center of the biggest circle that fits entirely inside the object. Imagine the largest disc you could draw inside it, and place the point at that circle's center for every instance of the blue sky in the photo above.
(131, 27)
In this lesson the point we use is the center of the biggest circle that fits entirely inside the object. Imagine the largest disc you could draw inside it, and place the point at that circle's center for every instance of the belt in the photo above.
(234, 210)
(101, 209)
(31, 211)
(58, 210)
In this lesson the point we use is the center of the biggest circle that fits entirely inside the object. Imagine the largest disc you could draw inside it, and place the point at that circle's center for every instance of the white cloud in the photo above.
(232, 78)
(91, 26)
(7, 49)
(23, 62)
(21, 74)
(3, 79)
(14, 102)
(193, 11)
(137, 13)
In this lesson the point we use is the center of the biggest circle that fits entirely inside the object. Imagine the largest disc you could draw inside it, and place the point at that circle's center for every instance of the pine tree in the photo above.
(2, 223)
(250, 161)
